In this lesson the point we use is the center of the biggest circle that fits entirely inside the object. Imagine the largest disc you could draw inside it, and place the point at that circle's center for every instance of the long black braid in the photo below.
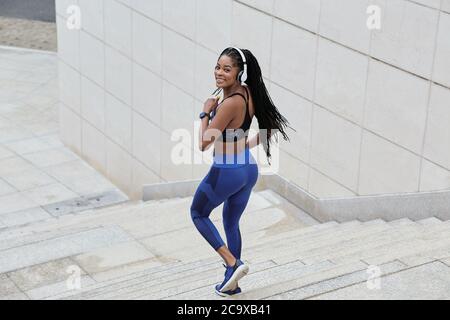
(266, 112)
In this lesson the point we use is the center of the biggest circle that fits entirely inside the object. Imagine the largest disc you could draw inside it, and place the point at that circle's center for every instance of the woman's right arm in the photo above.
(254, 141)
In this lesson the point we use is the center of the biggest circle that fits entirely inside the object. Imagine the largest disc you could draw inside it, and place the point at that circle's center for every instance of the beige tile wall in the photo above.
(371, 107)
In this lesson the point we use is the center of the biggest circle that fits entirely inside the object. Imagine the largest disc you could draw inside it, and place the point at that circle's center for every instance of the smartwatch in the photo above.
(204, 114)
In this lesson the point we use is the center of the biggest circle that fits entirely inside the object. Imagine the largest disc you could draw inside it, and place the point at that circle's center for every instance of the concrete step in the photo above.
(281, 251)
(251, 242)
(175, 267)
(208, 253)
(26, 239)
(255, 282)
(142, 215)
(335, 242)
(148, 219)
(267, 282)
(89, 219)
(200, 249)
(160, 280)
(46, 235)
(197, 248)
(429, 238)
(429, 221)
(401, 238)
(441, 251)
(314, 274)
(206, 290)
(136, 278)
(66, 220)
(401, 222)
(329, 281)
(179, 217)
(190, 244)
(57, 248)
(348, 245)
(160, 289)
(190, 283)
(183, 226)
(30, 236)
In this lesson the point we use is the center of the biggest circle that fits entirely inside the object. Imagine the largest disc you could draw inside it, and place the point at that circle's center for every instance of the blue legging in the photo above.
(231, 184)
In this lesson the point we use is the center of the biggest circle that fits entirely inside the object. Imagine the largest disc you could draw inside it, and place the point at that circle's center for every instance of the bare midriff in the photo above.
(223, 147)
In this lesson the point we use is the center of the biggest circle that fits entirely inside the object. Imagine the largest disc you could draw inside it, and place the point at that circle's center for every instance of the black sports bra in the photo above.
(232, 135)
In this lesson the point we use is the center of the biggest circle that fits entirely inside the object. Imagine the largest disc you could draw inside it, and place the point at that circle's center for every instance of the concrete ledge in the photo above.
(173, 189)
(30, 50)
(184, 188)
(414, 206)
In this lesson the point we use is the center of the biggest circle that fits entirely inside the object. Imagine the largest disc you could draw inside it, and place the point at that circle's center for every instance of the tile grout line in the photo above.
(132, 187)
(353, 284)
(363, 120)
(161, 76)
(17, 286)
(310, 151)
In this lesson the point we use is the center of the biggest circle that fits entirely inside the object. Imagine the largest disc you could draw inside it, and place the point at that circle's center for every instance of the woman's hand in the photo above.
(210, 104)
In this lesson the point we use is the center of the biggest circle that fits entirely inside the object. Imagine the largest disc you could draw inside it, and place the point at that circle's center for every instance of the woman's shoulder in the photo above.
(237, 99)
(234, 101)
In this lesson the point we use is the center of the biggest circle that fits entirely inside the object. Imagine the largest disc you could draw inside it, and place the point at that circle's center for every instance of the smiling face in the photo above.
(226, 72)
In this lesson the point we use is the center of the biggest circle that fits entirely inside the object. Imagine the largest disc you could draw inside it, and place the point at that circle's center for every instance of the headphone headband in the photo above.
(243, 74)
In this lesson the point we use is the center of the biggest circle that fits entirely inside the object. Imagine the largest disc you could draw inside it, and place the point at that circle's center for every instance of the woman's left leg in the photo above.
(214, 189)
(233, 208)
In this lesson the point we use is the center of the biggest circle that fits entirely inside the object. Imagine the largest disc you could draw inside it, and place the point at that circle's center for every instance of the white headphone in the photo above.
(242, 77)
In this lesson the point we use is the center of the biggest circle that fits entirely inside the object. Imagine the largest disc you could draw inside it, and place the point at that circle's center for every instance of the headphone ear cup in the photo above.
(239, 77)
(243, 77)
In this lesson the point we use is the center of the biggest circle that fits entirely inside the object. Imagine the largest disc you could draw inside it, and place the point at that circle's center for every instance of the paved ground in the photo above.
(43, 10)
(28, 34)
(28, 24)
(36, 170)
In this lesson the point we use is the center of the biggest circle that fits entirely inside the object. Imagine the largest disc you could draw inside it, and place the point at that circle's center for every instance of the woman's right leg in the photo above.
(201, 209)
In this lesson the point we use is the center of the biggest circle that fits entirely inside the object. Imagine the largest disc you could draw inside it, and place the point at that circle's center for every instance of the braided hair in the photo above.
(266, 112)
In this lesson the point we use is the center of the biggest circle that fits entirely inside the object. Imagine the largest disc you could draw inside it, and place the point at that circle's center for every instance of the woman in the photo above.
(234, 171)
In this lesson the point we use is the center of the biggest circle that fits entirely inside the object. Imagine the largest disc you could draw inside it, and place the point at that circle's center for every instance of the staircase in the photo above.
(151, 250)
